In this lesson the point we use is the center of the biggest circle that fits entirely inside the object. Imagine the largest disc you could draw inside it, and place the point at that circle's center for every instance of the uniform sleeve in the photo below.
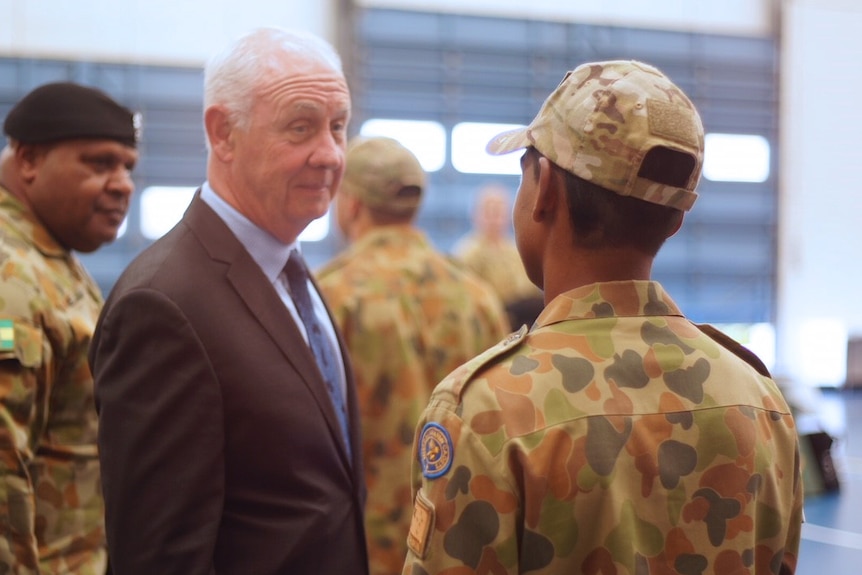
(794, 533)
(22, 386)
(160, 438)
(465, 505)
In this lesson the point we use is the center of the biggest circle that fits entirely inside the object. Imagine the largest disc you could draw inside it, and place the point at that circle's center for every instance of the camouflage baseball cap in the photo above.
(383, 174)
(601, 122)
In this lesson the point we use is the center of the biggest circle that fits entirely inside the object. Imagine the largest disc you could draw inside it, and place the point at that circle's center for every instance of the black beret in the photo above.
(66, 111)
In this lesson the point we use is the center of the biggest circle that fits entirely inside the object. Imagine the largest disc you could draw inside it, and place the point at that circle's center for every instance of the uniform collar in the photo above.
(609, 299)
(397, 234)
(29, 226)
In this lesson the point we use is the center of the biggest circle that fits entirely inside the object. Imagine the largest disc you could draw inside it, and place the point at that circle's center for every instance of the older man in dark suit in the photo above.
(229, 438)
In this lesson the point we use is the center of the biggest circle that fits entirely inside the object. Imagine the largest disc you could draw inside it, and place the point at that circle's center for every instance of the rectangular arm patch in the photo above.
(420, 525)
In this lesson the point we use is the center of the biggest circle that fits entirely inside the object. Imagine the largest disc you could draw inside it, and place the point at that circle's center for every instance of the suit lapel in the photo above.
(253, 287)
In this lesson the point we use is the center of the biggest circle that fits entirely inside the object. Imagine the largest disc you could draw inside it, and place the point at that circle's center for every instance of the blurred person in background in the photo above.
(490, 252)
(65, 187)
(229, 426)
(615, 435)
(408, 315)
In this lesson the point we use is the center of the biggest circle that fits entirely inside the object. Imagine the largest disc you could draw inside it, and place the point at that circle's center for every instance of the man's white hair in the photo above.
(232, 76)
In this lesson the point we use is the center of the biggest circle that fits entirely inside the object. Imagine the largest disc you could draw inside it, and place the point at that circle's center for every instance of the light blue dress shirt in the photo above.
(271, 255)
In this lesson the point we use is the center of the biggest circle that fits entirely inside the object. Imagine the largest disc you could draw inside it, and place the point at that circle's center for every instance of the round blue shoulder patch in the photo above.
(435, 450)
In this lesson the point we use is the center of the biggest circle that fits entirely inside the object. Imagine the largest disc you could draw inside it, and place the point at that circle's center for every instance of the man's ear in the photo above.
(547, 199)
(220, 131)
(28, 157)
(676, 227)
(352, 216)
(353, 206)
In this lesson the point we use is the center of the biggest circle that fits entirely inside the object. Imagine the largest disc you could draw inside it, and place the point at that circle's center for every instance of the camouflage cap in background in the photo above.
(602, 120)
(383, 174)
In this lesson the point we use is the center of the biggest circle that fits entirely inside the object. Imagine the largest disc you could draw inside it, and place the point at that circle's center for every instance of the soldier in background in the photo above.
(490, 252)
(408, 316)
(615, 436)
(65, 186)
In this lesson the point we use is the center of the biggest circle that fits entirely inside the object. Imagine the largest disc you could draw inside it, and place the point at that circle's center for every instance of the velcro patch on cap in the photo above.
(420, 525)
(673, 122)
(435, 450)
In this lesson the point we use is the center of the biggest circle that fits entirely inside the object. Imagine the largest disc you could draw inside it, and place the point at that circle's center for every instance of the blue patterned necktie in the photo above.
(297, 284)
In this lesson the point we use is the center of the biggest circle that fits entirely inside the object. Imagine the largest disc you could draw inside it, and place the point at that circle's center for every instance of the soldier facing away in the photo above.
(615, 435)
(408, 317)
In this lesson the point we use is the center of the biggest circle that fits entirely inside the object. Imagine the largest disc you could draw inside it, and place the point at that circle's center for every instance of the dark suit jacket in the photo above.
(220, 448)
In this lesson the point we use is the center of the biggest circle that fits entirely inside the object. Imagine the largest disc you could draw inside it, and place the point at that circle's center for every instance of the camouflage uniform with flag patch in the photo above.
(615, 437)
(409, 317)
(50, 502)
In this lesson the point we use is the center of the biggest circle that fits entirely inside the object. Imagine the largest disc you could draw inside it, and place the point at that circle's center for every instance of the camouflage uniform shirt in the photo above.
(51, 508)
(614, 437)
(408, 317)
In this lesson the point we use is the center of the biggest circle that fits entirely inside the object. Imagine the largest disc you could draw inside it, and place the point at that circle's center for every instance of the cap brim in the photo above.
(509, 141)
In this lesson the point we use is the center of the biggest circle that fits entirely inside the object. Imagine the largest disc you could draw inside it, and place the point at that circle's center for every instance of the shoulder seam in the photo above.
(735, 347)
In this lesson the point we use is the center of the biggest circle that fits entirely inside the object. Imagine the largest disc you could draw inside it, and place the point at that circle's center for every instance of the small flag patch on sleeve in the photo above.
(7, 335)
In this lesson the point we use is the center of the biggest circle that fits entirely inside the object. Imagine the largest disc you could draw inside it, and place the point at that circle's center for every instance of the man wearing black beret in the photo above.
(65, 186)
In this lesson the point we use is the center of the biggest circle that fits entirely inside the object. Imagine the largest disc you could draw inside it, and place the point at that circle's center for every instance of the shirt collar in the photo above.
(269, 253)
(609, 299)
(400, 235)
(32, 228)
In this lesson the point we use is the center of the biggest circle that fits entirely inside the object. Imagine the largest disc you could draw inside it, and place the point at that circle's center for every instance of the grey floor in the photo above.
(832, 533)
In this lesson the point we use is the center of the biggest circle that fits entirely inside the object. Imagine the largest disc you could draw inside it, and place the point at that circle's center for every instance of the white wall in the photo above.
(820, 245)
(739, 17)
(186, 32)
(177, 32)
